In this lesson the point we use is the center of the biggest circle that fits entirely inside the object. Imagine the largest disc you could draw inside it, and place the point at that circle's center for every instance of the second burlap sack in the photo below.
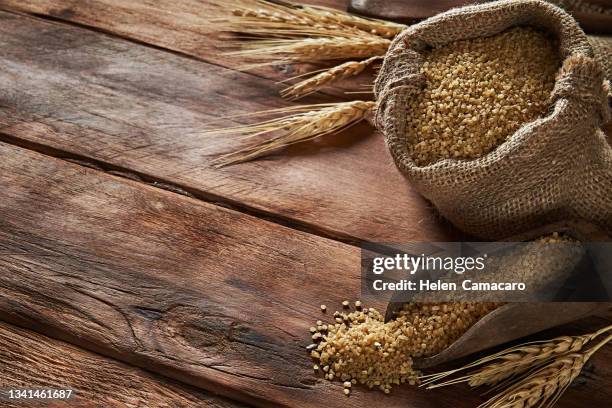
(557, 167)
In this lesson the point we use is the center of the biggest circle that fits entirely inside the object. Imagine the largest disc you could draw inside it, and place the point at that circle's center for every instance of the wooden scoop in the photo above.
(515, 320)
(411, 11)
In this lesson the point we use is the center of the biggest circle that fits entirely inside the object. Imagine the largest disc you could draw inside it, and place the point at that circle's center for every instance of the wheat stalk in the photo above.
(264, 11)
(313, 49)
(512, 362)
(313, 84)
(373, 26)
(308, 123)
(280, 33)
(544, 387)
(263, 24)
(260, 17)
(263, 19)
(305, 123)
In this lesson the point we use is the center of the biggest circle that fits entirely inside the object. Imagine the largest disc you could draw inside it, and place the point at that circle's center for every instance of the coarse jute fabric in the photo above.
(584, 6)
(558, 167)
(602, 47)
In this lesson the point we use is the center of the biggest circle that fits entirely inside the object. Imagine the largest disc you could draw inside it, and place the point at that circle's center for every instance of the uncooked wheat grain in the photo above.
(478, 92)
(363, 348)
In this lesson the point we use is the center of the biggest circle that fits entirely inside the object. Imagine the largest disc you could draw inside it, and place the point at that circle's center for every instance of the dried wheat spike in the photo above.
(310, 85)
(514, 362)
(272, 16)
(525, 358)
(381, 28)
(262, 23)
(261, 17)
(544, 387)
(303, 124)
(313, 49)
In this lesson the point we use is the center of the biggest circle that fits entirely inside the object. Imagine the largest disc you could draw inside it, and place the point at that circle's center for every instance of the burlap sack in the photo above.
(556, 168)
(602, 47)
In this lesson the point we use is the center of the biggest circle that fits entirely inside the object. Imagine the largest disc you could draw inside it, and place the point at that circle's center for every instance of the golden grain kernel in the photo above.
(368, 351)
(323, 308)
(554, 238)
(479, 92)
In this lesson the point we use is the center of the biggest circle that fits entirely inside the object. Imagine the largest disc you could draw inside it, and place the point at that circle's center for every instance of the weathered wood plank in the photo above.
(31, 360)
(145, 110)
(198, 293)
(183, 26)
(191, 290)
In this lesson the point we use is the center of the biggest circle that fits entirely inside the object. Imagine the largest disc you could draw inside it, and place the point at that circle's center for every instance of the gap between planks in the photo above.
(144, 109)
(183, 190)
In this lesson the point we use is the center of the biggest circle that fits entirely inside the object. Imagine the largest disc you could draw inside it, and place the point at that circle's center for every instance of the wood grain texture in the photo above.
(179, 25)
(202, 294)
(31, 360)
(145, 110)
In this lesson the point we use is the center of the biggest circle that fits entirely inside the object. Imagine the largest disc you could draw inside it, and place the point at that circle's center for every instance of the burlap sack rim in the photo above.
(387, 94)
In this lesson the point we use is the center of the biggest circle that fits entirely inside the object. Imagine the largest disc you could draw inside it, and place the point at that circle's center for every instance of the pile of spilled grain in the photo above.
(479, 92)
(359, 347)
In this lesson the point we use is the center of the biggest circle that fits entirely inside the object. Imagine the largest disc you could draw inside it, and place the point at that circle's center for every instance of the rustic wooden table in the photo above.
(137, 274)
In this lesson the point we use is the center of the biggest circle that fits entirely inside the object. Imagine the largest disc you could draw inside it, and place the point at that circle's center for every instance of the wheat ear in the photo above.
(313, 84)
(381, 28)
(513, 362)
(544, 387)
(312, 49)
(264, 24)
(306, 123)
(260, 17)
(281, 33)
